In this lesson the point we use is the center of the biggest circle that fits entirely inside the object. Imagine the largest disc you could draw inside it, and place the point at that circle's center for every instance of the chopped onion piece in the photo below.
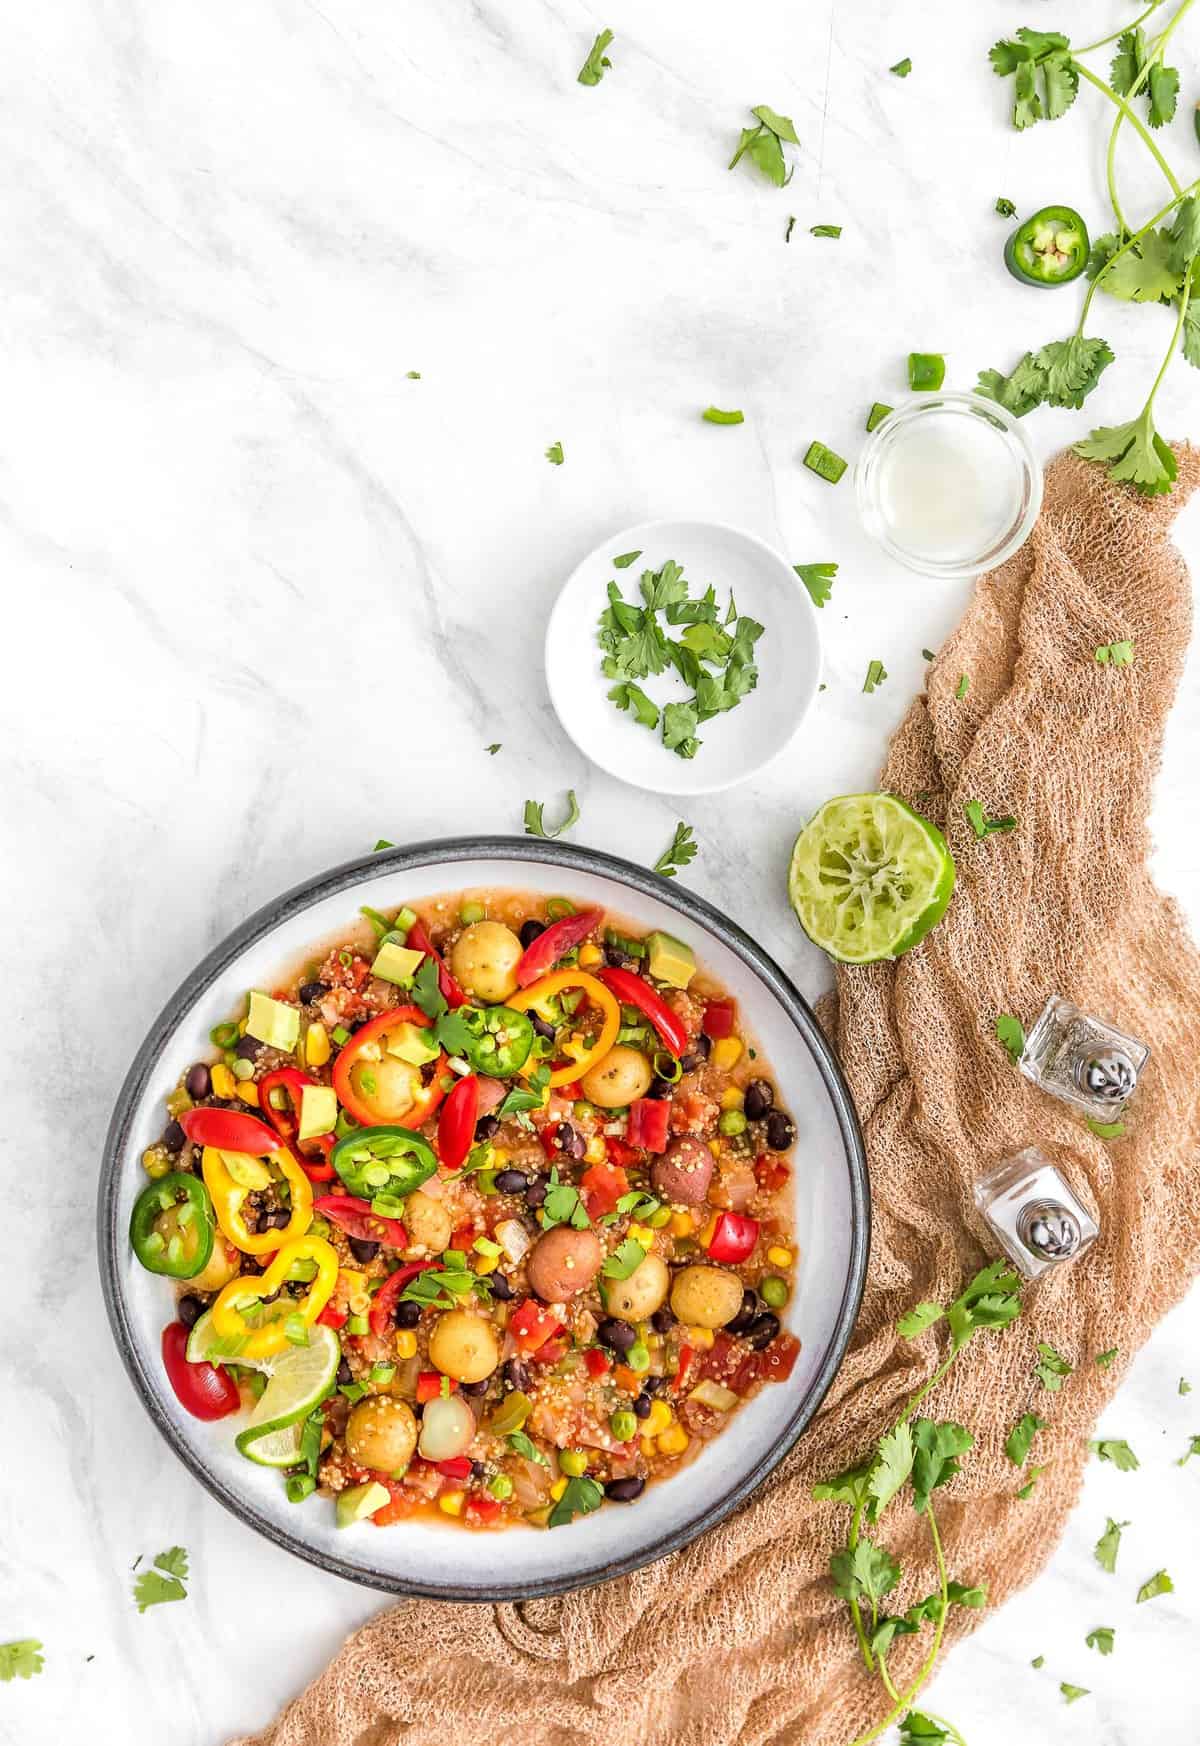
(712, 1394)
(513, 1238)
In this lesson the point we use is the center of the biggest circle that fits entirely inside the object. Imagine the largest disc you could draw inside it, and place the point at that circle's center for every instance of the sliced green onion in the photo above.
(485, 1246)
(558, 908)
(382, 1372)
(377, 919)
(242, 1069)
(357, 1325)
(224, 1036)
(352, 1390)
(296, 1329)
(926, 371)
(299, 1486)
(622, 943)
(471, 913)
(406, 918)
(388, 1206)
(667, 1066)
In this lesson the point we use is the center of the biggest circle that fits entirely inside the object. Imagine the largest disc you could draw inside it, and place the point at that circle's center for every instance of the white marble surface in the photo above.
(243, 554)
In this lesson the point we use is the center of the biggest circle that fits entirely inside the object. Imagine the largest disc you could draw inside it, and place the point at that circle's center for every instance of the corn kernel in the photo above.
(500, 1157)
(557, 1489)
(709, 1231)
(733, 1097)
(658, 1419)
(316, 1045)
(590, 955)
(596, 1151)
(702, 1337)
(642, 1234)
(674, 1441)
(248, 1092)
(779, 1256)
(223, 1083)
(486, 1263)
(648, 1448)
(714, 1147)
(451, 1502)
(406, 1343)
(682, 1224)
(726, 1052)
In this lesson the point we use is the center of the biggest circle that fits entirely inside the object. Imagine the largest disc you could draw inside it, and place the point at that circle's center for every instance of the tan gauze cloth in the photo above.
(740, 1638)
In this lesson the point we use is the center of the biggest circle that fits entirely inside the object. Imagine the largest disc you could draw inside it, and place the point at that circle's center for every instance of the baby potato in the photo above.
(706, 1297)
(427, 1222)
(636, 1298)
(381, 1432)
(484, 960)
(683, 1172)
(563, 1262)
(464, 1346)
(621, 1076)
(222, 1265)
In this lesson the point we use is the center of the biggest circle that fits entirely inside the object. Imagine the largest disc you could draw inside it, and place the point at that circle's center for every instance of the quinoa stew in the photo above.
(485, 1218)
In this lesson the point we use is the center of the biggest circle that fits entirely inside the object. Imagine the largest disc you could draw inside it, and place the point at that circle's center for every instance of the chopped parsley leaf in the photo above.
(165, 1582)
(21, 1659)
(1117, 1451)
(535, 823)
(830, 230)
(876, 674)
(1051, 1368)
(818, 579)
(902, 68)
(1159, 1583)
(1108, 1545)
(682, 849)
(1101, 1638)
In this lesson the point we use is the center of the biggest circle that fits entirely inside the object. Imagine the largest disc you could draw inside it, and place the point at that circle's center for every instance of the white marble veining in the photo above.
(267, 599)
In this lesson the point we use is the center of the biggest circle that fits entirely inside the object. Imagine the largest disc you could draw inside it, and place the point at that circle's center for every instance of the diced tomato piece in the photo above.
(649, 1123)
(401, 1503)
(620, 1153)
(429, 1385)
(330, 1317)
(603, 1185)
(719, 1019)
(463, 1237)
(771, 1173)
(457, 1467)
(482, 1511)
(716, 1360)
(550, 1351)
(531, 1326)
(747, 1373)
(596, 1362)
(779, 1359)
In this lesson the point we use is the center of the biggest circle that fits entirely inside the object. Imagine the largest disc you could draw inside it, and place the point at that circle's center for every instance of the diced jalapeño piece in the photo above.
(824, 463)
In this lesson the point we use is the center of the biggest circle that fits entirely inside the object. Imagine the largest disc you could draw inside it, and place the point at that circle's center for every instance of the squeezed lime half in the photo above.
(869, 877)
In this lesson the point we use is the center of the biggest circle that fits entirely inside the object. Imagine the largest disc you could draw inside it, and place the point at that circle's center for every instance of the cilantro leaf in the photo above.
(818, 579)
(1134, 452)
(1108, 1545)
(1185, 1386)
(1022, 58)
(867, 1573)
(665, 587)
(1101, 1638)
(1128, 60)
(1115, 654)
(1026, 1491)
(491, 750)
(918, 1729)
(1061, 78)
(535, 824)
(1159, 1583)
(21, 1659)
(780, 125)
(893, 1464)
(762, 145)
(165, 1582)
(519, 1098)
(1011, 1033)
(1038, 1661)
(554, 454)
(936, 1448)
(1185, 233)
(582, 1496)
(916, 1320)
(592, 70)
(626, 695)
(1145, 273)
(989, 1301)
(625, 1259)
(1116, 1450)
(520, 1444)
(625, 559)
(682, 849)
(1018, 393)
(1191, 333)
(1102, 1360)
(876, 674)
(1051, 1368)
(680, 721)
(1020, 1439)
(1162, 90)
(984, 826)
(1073, 1692)
(850, 1487)
(1072, 368)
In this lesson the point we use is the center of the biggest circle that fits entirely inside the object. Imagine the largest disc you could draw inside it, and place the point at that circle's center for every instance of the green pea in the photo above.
(637, 1358)
(573, 1462)
(774, 1290)
(471, 912)
(623, 1425)
(733, 1121)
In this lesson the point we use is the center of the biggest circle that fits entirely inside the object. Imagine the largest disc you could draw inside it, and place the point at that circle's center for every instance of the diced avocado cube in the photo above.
(318, 1111)
(670, 960)
(246, 1171)
(273, 1022)
(359, 1501)
(396, 963)
(408, 1042)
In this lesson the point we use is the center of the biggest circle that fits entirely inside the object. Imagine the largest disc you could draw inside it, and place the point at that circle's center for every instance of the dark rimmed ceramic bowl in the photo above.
(832, 1220)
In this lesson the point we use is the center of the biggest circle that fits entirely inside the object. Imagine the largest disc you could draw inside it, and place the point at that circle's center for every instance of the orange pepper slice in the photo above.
(597, 994)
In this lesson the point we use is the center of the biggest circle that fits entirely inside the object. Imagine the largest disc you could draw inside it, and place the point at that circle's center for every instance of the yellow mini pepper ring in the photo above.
(229, 1196)
(597, 994)
(230, 1324)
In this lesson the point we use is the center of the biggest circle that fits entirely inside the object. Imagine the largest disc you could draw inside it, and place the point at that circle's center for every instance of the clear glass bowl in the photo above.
(949, 484)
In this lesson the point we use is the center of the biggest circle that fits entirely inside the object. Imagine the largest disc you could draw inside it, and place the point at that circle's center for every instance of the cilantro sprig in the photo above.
(763, 145)
(165, 1581)
(683, 848)
(535, 824)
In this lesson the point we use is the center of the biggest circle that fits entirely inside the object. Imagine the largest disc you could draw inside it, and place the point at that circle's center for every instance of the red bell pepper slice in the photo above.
(531, 1326)
(602, 1186)
(551, 1350)
(430, 1383)
(718, 1020)
(204, 1390)
(734, 1238)
(355, 1217)
(373, 1114)
(383, 1304)
(634, 990)
(456, 1124)
(286, 1121)
(649, 1123)
(419, 941)
(596, 1362)
(229, 1131)
(554, 943)
(455, 1467)
(687, 1357)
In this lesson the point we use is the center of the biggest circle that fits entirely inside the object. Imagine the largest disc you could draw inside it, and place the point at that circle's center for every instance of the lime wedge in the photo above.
(299, 1379)
(869, 877)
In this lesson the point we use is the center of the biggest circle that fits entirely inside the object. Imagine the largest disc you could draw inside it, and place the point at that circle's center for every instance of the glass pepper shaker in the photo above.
(1082, 1060)
(1034, 1214)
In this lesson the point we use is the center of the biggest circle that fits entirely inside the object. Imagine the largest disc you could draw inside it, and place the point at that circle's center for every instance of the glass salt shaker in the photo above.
(1034, 1214)
(1082, 1060)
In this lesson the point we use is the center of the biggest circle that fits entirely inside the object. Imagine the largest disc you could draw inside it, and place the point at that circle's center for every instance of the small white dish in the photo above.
(735, 744)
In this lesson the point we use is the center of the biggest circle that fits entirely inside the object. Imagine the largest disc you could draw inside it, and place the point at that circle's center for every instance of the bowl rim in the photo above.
(596, 754)
(439, 851)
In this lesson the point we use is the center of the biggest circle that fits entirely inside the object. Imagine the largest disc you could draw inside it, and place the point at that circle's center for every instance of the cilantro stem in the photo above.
(1179, 321)
(855, 1609)
(1135, 121)
(1104, 41)
(1155, 56)
(905, 1702)
(1130, 242)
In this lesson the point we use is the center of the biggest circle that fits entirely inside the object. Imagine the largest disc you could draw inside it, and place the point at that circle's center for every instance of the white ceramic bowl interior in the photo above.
(425, 1556)
(734, 744)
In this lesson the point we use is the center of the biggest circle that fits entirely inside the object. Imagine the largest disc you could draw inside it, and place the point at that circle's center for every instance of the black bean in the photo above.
(618, 959)
(542, 1027)
(745, 1315)
(475, 1388)
(660, 1088)
(311, 992)
(618, 1336)
(248, 1049)
(486, 1126)
(363, 1249)
(189, 1309)
(653, 1384)
(691, 1061)
(512, 1181)
(516, 1374)
(703, 1045)
(570, 1140)
(278, 1220)
(625, 1490)
(762, 1331)
(477, 1470)
(535, 1194)
(344, 1373)
(198, 1082)
(529, 932)
(661, 1320)
(760, 1097)
(781, 1130)
(407, 1315)
(501, 1288)
(641, 1406)
(173, 1137)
